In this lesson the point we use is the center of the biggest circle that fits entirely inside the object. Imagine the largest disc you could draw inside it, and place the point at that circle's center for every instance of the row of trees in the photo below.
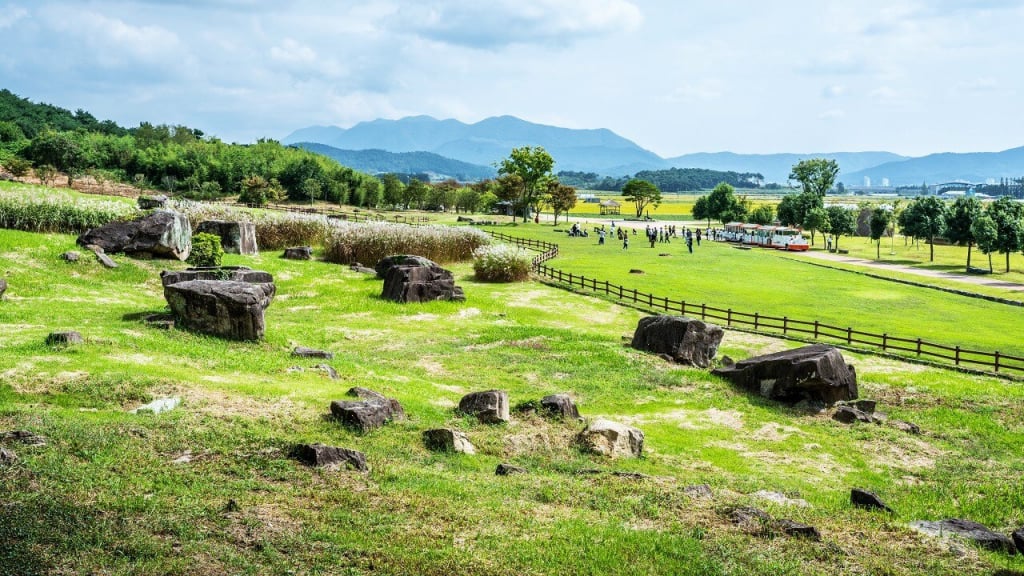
(670, 180)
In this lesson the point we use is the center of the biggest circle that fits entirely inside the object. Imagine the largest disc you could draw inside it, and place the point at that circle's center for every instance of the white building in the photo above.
(867, 182)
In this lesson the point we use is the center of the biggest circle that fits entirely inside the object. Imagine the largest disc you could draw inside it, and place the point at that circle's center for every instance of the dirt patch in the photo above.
(224, 404)
(775, 432)
(902, 453)
(431, 366)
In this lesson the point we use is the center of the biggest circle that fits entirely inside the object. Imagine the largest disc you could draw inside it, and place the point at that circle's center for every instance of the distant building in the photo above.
(885, 182)
(867, 182)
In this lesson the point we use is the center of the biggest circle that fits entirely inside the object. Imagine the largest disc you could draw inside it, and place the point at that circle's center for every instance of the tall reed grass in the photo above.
(32, 209)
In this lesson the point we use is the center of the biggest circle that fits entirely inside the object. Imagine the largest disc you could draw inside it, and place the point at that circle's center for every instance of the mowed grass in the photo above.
(674, 206)
(771, 283)
(210, 488)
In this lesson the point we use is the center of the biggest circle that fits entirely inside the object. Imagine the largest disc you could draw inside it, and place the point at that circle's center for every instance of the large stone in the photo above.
(612, 439)
(304, 352)
(490, 407)
(685, 340)
(389, 262)
(235, 237)
(65, 338)
(224, 302)
(420, 284)
(298, 253)
(509, 470)
(865, 499)
(559, 405)
(369, 413)
(815, 373)
(163, 233)
(330, 456)
(151, 202)
(967, 530)
(447, 440)
(1018, 539)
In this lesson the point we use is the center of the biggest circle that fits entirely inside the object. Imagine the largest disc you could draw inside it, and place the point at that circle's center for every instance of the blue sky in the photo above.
(912, 77)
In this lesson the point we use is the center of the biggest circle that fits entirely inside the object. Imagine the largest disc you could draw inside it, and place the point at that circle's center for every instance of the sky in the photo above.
(674, 76)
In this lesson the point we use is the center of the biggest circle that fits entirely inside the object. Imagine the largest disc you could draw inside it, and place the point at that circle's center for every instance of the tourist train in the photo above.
(778, 237)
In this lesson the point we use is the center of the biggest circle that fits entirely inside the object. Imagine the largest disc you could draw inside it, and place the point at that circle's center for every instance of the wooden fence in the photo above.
(813, 330)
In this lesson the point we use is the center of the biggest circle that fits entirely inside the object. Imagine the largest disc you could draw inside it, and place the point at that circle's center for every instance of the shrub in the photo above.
(502, 263)
(206, 250)
(369, 242)
(33, 211)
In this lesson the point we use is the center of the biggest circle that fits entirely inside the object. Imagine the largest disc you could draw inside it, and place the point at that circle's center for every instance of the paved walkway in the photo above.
(979, 280)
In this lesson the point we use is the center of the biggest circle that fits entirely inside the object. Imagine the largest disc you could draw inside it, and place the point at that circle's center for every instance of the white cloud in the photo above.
(10, 15)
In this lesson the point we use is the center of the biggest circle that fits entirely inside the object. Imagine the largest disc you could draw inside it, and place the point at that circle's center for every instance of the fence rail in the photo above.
(814, 330)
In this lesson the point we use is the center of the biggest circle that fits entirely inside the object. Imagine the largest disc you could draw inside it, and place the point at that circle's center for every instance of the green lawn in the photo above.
(105, 495)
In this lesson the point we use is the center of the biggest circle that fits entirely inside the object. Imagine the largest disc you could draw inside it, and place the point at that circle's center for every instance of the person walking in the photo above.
(625, 242)
(600, 237)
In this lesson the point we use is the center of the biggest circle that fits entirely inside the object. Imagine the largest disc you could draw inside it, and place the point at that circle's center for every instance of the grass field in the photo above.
(210, 489)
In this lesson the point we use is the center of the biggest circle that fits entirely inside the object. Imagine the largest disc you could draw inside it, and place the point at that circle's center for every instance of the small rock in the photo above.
(152, 202)
(368, 414)
(699, 492)
(630, 475)
(866, 406)
(64, 338)
(331, 372)
(25, 437)
(908, 427)
(70, 256)
(780, 498)
(749, 516)
(330, 456)
(508, 470)
(101, 255)
(968, 531)
(849, 415)
(664, 254)
(303, 352)
(157, 406)
(636, 271)
(7, 457)
(865, 499)
(797, 530)
(184, 458)
(294, 369)
(490, 406)
(298, 253)
(611, 439)
(447, 440)
(357, 267)
(560, 405)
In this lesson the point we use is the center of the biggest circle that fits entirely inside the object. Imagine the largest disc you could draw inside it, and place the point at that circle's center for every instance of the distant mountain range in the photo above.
(450, 148)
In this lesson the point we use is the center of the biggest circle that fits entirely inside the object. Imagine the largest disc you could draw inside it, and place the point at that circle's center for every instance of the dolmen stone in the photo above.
(65, 338)
(966, 530)
(447, 440)
(388, 262)
(816, 373)
(303, 352)
(298, 253)
(370, 412)
(150, 202)
(235, 237)
(865, 499)
(163, 233)
(560, 406)
(611, 439)
(686, 340)
(850, 414)
(320, 455)
(490, 406)
(509, 470)
(418, 279)
(227, 302)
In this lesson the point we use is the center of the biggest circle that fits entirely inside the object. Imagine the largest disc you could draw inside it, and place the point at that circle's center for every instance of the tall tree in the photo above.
(816, 176)
(763, 215)
(642, 194)
(986, 234)
(927, 219)
(723, 204)
(394, 190)
(840, 221)
(879, 223)
(959, 224)
(815, 219)
(561, 198)
(701, 210)
(1008, 216)
(533, 164)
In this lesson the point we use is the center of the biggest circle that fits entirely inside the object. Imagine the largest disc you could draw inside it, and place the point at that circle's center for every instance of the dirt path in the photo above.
(965, 278)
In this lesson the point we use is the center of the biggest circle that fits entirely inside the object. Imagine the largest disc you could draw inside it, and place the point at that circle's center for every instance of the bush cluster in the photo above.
(502, 263)
(29, 210)
(206, 250)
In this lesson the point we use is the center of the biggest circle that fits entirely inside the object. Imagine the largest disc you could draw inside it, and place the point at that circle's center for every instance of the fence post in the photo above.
(885, 338)
(606, 287)
(728, 317)
(682, 307)
(703, 311)
(635, 300)
(756, 318)
(997, 360)
(785, 322)
(815, 329)
(957, 355)
(918, 347)
(849, 336)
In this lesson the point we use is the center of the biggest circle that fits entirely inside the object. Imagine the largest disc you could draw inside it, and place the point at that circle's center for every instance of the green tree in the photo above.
(986, 234)
(763, 215)
(561, 198)
(311, 188)
(642, 194)
(1008, 216)
(255, 191)
(533, 165)
(840, 221)
(815, 219)
(415, 193)
(394, 190)
(927, 219)
(723, 204)
(816, 176)
(960, 223)
(701, 210)
(879, 223)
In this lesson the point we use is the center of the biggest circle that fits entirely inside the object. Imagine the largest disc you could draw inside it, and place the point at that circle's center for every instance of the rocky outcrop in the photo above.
(225, 302)
(685, 340)
(490, 407)
(611, 439)
(966, 530)
(235, 237)
(420, 284)
(330, 457)
(447, 440)
(559, 406)
(164, 233)
(815, 373)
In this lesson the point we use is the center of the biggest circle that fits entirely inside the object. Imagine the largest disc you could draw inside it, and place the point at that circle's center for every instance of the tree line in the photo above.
(671, 180)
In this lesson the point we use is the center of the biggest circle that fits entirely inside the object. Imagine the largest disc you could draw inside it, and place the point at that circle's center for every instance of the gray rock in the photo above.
(157, 406)
(397, 412)
(389, 262)
(369, 414)
(447, 440)
(66, 338)
(151, 202)
(559, 405)
(420, 284)
(908, 427)
(815, 373)
(685, 340)
(7, 457)
(865, 499)
(222, 273)
(968, 531)
(490, 407)
(235, 237)
(611, 439)
(223, 308)
(105, 260)
(699, 492)
(303, 352)
(508, 470)
(70, 256)
(796, 529)
(1018, 539)
(781, 499)
(849, 415)
(298, 253)
(329, 370)
(357, 267)
(749, 517)
(24, 437)
(330, 456)
(163, 233)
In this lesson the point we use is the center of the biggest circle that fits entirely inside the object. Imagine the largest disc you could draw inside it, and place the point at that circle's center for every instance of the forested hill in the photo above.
(672, 180)
(383, 162)
(31, 118)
